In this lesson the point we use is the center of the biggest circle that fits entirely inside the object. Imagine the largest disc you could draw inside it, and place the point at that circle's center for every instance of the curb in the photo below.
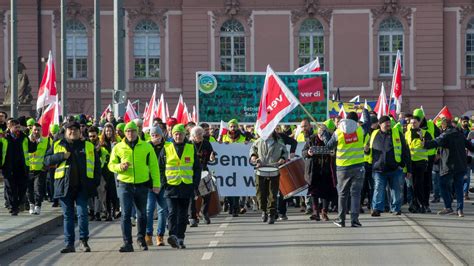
(30, 234)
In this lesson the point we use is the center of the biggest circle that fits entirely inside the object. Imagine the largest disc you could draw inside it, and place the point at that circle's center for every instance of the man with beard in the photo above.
(37, 180)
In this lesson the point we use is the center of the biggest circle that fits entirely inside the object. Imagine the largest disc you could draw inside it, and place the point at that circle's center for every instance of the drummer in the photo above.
(270, 152)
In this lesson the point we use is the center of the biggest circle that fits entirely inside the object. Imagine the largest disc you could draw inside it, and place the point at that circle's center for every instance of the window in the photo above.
(232, 46)
(470, 48)
(311, 42)
(77, 52)
(390, 40)
(146, 49)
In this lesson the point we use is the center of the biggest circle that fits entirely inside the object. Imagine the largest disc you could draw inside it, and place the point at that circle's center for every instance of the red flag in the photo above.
(185, 115)
(161, 109)
(381, 108)
(194, 115)
(178, 112)
(108, 109)
(222, 130)
(312, 66)
(47, 92)
(149, 113)
(49, 116)
(342, 112)
(130, 113)
(310, 90)
(396, 90)
(276, 102)
(444, 113)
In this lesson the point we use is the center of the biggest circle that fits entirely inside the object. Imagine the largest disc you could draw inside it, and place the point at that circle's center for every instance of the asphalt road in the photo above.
(424, 239)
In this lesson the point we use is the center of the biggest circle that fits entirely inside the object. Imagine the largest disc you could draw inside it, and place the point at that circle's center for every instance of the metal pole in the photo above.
(119, 73)
(14, 61)
(63, 61)
(97, 77)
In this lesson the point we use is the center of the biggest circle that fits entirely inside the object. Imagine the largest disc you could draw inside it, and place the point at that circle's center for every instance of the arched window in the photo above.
(311, 42)
(470, 48)
(232, 46)
(77, 52)
(390, 40)
(146, 49)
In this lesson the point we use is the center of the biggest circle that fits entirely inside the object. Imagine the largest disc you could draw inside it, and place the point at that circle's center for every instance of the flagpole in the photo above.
(307, 112)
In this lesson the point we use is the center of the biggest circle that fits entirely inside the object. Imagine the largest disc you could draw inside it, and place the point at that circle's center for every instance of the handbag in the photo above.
(207, 185)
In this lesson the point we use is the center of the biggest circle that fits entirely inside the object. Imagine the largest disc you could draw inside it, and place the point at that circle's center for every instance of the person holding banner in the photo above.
(268, 153)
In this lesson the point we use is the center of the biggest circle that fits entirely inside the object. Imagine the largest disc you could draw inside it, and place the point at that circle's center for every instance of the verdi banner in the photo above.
(228, 95)
(232, 169)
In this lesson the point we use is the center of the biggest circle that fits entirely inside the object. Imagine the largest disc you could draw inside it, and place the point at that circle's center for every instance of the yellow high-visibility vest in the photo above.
(179, 170)
(350, 147)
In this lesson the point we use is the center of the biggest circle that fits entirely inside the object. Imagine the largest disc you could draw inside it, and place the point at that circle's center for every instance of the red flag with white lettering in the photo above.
(149, 113)
(47, 92)
(161, 110)
(130, 113)
(276, 102)
(381, 108)
(222, 130)
(396, 91)
(178, 112)
(444, 113)
(310, 90)
(49, 117)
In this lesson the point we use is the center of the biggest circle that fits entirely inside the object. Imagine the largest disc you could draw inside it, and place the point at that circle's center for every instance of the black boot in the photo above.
(68, 249)
(84, 246)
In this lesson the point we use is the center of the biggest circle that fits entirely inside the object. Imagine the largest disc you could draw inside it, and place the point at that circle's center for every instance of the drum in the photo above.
(214, 204)
(292, 178)
(267, 171)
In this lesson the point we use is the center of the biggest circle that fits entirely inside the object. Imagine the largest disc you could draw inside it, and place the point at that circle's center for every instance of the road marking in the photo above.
(435, 242)
(219, 233)
(213, 243)
(224, 225)
(207, 256)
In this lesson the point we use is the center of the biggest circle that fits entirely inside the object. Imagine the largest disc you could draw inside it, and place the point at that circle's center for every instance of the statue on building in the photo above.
(24, 88)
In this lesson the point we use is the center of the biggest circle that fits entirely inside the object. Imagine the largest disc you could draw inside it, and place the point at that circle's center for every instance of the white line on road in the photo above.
(207, 256)
(435, 242)
(213, 243)
(224, 225)
(219, 233)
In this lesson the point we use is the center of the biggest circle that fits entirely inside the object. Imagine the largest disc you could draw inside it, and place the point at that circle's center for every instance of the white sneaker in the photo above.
(32, 209)
(37, 210)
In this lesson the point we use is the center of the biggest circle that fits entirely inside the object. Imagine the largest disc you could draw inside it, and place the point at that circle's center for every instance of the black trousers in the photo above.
(16, 189)
(419, 169)
(178, 216)
(427, 182)
(36, 187)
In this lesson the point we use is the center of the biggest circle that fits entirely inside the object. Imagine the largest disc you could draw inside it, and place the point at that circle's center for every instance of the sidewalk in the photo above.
(17, 230)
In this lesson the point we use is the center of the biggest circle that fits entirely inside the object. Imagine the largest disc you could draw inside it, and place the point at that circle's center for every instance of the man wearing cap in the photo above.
(75, 181)
(181, 173)
(388, 154)
(136, 164)
(120, 132)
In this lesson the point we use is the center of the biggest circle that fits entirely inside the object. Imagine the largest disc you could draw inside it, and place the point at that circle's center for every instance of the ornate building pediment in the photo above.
(311, 9)
(231, 9)
(147, 10)
(74, 10)
(392, 8)
(466, 12)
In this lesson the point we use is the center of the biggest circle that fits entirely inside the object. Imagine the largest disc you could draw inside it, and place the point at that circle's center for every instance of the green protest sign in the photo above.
(228, 95)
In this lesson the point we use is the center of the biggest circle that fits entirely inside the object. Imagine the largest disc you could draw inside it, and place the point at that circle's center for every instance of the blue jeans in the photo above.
(153, 201)
(409, 183)
(467, 180)
(447, 188)
(394, 180)
(436, 189)
(136, 196)
(67, 206)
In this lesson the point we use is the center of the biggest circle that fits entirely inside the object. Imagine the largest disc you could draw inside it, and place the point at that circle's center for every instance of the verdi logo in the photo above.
(207, 83)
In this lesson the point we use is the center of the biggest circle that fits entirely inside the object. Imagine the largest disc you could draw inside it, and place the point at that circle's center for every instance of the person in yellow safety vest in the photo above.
(75, 181)
(434, 132)
(136, 164)
(306, 131)
(37, 177)
(234, 135)
(349, 140)
(415, 136)
(16, 165)
(207, 132)
(52, 137)
(388, 155)
(120, 132)
(181, 173)
(3, 146)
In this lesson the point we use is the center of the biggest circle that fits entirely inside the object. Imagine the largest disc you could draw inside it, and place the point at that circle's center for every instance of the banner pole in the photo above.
(307, 112)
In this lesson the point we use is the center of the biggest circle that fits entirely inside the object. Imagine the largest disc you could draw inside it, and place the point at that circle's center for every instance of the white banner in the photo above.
(234, 174)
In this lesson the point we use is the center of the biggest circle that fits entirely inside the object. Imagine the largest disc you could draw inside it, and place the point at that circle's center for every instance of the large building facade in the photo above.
(167, 41)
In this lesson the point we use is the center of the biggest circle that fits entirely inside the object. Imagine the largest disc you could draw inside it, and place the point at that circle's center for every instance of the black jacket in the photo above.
(77, 160)
(14, 164)
(383, 156)
(289, 141)
(453, 146)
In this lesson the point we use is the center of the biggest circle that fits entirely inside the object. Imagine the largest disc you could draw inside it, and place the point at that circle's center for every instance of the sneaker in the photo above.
(375, 213)
(339, 223)
(243, 210)
(126, 248)
(142, 244)
(68, 249)
(148, 240)
(84, 246)
(271, 220)
(435, 200)
(173, 241)
(193, 223)
(160, 241)
(283, 218)
(315, 217)
(264, 217)
(32, 209)
(206, 219)
(446, 211)
(356, 224)
(181, 244)
(460, 213)
(37, 210)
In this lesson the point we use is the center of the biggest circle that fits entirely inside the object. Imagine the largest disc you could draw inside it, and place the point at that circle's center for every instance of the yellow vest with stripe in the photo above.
(397, 145)
(227, 139)
(179, 170)
(350, 153)
(37, 157)
(25, 151)
(431, 130)
(90, 160)
(417, 152)
(4, 149)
